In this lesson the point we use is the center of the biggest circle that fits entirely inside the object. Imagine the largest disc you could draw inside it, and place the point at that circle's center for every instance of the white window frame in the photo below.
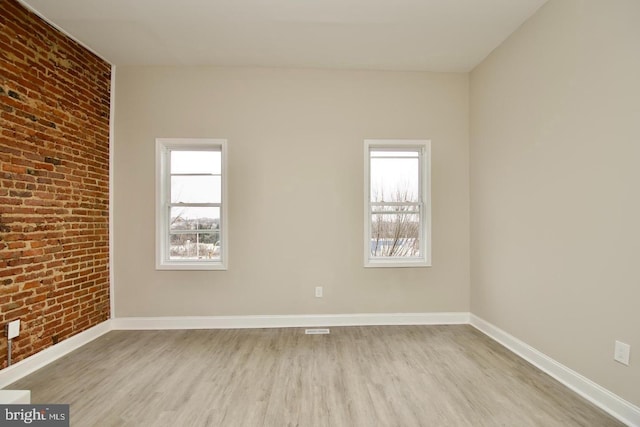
(423, 146)
(163, 185)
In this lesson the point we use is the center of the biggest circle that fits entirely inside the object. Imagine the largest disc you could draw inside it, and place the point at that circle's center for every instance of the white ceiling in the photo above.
(432, 35)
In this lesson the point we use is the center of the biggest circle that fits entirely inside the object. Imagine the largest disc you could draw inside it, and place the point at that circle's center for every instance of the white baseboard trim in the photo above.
(24, 367)
(289, 321)
(624, 411)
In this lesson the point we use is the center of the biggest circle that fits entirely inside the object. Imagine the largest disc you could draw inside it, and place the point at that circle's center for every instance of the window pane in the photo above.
(395, 235)
(190, 218)
(395, 180)
(196, 162)
(196, 189)
(196, 246)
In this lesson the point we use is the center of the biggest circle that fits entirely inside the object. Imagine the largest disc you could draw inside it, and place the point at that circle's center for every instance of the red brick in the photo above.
(54, 182)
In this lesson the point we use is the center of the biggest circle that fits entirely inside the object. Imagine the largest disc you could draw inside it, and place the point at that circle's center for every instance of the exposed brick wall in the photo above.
(54, 183)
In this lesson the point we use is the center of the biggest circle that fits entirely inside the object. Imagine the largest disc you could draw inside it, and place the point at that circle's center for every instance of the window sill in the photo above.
(196, 266)
(396, 263)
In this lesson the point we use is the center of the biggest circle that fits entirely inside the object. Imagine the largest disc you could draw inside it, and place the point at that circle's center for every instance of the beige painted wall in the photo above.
(296, 188)
(555, 205)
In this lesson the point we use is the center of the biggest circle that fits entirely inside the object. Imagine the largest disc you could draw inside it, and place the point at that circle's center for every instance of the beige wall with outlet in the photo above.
(555, 175)
(295, 156)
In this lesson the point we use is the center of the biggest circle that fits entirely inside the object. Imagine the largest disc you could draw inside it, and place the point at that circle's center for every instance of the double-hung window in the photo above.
(191, 198)
(397, 203)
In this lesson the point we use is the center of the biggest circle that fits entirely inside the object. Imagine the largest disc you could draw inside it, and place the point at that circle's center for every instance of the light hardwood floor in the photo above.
(357, 376)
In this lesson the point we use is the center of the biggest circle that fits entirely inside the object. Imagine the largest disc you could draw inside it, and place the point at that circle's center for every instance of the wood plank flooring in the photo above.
(356, 376)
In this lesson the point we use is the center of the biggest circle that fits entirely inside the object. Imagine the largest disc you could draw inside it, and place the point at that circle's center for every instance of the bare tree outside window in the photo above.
(395, 229)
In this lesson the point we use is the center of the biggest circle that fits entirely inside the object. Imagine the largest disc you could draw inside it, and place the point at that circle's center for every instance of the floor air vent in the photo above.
(316, 331)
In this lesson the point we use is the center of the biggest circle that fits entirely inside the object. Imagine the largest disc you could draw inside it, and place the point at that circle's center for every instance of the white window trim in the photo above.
(425, 181)
(163, 145)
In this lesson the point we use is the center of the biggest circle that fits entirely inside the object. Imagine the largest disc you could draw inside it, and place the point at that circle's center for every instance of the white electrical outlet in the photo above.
(622, 352)
(318, 291)
(13, 329)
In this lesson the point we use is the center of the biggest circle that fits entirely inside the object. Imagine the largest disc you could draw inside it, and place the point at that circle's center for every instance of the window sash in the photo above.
(194, 205)
(378, 207)
(169, 205)
(420, 236)
(418, 204)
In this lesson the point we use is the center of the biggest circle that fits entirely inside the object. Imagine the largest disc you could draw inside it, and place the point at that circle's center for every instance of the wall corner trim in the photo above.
(289, 321)
(112, 146)
(32, 363)
(617, 407)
